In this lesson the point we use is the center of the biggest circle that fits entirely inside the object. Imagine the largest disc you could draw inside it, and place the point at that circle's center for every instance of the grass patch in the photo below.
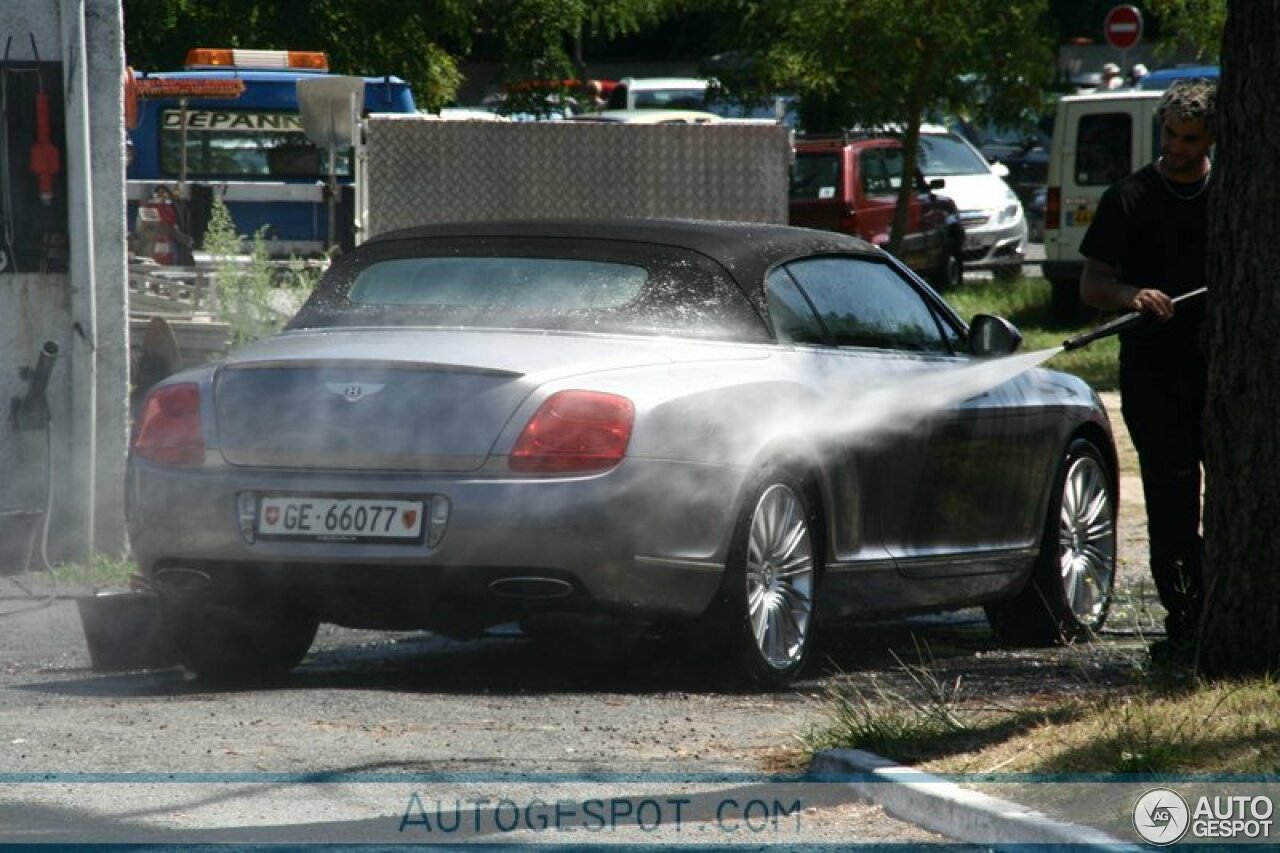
(1198, 728)
(931, 716)
(1164, 722)
(102, 572)
(1026, 303)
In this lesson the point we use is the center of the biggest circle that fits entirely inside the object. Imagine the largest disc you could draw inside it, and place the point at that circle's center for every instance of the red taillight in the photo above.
(1053, 208)
(575, 432)
(169, 429)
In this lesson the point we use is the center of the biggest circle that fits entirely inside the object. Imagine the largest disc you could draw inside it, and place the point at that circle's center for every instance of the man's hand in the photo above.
(1157, 303)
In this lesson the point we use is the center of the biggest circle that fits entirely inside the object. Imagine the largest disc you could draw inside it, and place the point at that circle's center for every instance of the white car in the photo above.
(650, 117)
(995, 225)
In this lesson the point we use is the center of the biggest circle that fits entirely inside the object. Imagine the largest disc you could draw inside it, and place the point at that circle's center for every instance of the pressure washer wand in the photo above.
(1119, 324)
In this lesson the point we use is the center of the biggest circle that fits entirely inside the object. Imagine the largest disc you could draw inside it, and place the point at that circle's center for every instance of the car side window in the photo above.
(794, 321)
(863, 302)
(875, 177)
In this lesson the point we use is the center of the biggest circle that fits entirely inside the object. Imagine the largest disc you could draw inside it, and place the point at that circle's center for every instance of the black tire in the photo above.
(948, 274)
(767, 604)
(230, 643)
(1069, 591)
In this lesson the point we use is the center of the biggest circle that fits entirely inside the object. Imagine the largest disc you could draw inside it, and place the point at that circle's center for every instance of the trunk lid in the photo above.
(393, 399)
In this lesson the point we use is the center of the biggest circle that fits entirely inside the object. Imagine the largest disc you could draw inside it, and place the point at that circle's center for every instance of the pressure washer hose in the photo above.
(1119, 324)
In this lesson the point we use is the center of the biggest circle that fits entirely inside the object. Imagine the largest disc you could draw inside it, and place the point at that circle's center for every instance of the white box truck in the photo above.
(416, 170)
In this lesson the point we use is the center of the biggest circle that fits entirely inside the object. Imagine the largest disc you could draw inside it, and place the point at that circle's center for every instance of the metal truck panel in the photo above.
(414, 170)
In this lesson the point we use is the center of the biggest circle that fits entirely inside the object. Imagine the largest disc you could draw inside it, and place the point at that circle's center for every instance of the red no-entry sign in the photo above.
(1123, 27)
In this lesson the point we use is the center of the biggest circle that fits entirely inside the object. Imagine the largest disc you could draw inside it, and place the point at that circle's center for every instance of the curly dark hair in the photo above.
(1191, 100)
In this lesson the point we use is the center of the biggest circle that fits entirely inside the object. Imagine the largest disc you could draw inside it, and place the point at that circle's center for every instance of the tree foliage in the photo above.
(419, 40)
(872, 63)
(1241, 631)
(1196, 25)
(542, 40)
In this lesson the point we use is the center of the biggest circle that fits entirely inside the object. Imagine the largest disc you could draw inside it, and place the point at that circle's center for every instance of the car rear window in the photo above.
(514, 284)
(553, 284)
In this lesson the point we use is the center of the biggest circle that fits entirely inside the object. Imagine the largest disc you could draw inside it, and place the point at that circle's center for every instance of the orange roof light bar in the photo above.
(227, 57)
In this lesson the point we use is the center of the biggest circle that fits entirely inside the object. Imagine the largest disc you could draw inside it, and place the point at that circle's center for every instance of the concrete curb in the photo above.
(944, 807)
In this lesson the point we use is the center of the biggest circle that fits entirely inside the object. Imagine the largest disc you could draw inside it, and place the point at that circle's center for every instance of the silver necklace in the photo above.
(1182, 196)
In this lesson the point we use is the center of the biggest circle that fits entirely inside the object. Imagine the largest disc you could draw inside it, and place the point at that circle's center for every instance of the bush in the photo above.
(255, 295)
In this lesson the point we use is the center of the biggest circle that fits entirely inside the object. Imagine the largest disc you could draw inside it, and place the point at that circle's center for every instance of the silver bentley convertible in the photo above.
(743, 429)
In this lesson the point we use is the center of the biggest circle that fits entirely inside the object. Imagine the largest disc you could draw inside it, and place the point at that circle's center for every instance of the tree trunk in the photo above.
(579, 62)
(1241, 629)
(910, 146)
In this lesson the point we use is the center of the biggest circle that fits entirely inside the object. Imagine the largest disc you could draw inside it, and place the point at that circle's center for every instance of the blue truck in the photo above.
(229, 125)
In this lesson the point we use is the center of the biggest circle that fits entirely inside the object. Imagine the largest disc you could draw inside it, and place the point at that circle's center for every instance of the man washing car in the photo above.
(1146, 246)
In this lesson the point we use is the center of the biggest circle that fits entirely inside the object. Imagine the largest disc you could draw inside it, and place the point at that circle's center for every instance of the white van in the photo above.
(660, 93)
(1097, 139)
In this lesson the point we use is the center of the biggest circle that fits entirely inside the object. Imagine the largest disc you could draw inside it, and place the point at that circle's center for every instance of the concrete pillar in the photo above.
(71, 283)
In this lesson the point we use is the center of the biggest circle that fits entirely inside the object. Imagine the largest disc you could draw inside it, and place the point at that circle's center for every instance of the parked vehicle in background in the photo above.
(1035, 215)
(1163, 78)
(484, 171)
(1098, 139)
(698, 93)
(650, 117)
(659, 93)
(195, 136)
(548, 100)
(995, 228)
(849, 183)
(1022, 148)
(636, 420)
(467, 114)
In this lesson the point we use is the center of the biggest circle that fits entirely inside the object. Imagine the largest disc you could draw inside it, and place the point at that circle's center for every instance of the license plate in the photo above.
(344, 519)
(1080, 216)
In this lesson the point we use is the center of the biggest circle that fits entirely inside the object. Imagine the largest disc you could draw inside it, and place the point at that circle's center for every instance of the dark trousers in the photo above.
(1163, 406)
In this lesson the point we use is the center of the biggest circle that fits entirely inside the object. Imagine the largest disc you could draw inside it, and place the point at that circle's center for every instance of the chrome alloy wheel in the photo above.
(780, 575)
(1087, 540)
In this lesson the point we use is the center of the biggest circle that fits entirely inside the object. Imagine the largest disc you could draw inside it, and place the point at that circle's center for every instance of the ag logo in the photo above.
(1161, 816)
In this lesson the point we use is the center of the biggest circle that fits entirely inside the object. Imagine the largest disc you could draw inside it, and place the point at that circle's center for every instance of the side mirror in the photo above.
(1000, 170)
(990, 335)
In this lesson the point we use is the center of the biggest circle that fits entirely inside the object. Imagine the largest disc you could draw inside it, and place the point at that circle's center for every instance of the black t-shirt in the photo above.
(1156, 234)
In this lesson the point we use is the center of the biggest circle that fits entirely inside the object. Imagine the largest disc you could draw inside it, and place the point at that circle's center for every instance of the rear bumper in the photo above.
(647, 540)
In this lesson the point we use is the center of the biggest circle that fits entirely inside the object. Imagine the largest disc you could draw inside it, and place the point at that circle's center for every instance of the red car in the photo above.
(849, 183)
